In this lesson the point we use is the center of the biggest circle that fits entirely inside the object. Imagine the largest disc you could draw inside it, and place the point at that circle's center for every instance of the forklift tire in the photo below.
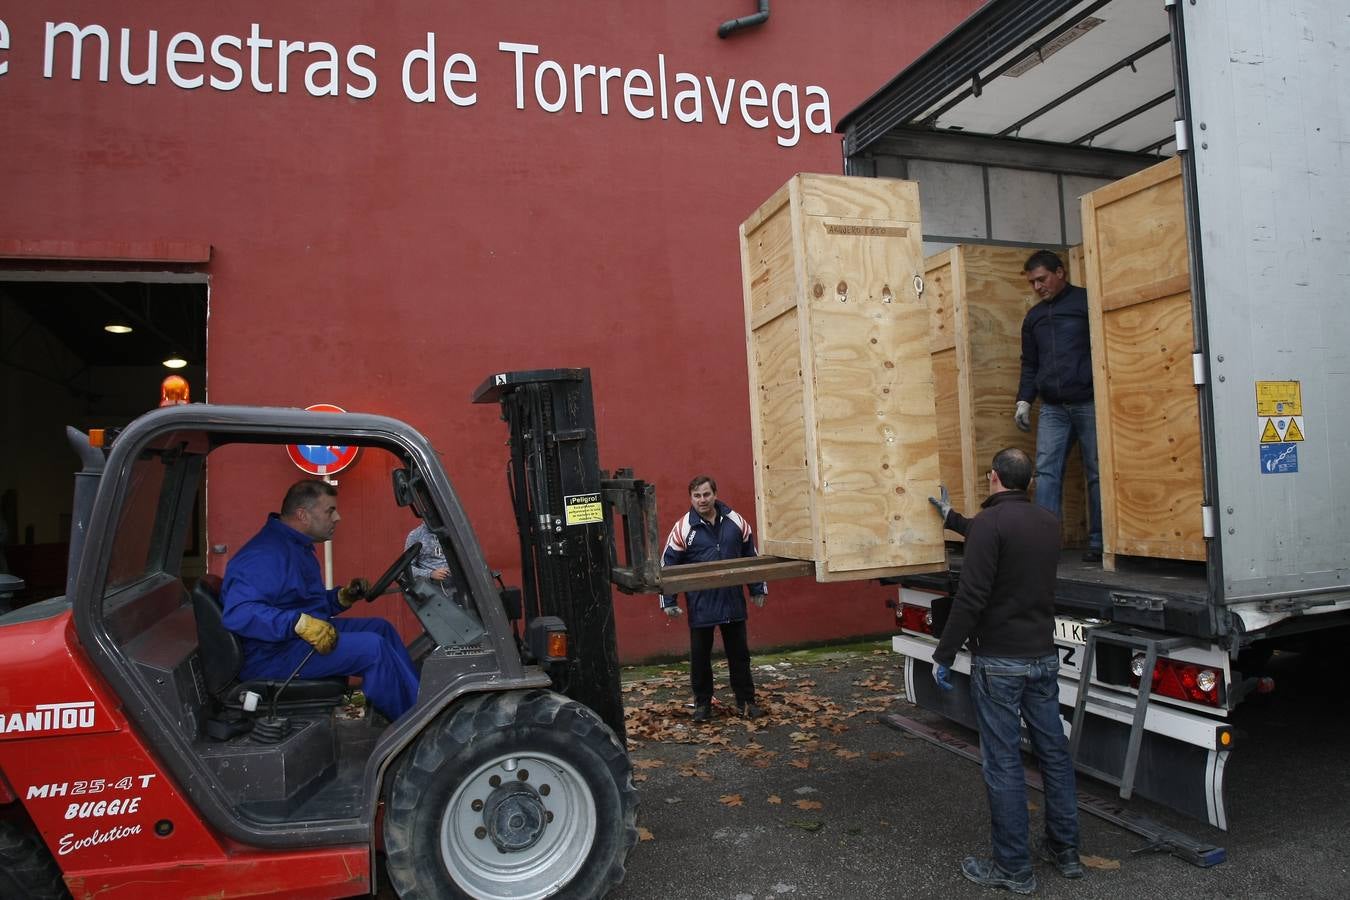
(511, 795)
(27, 870)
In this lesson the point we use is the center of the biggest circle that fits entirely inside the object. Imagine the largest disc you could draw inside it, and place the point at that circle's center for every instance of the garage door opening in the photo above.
(89, 350)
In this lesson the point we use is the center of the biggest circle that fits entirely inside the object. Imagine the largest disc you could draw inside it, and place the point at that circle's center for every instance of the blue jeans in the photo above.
(1005, 689)
(1060, 425)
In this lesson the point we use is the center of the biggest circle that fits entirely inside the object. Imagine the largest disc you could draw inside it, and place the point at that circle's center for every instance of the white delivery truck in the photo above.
(1005, 123)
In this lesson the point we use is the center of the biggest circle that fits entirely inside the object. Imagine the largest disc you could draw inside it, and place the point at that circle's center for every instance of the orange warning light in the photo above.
(173, 391)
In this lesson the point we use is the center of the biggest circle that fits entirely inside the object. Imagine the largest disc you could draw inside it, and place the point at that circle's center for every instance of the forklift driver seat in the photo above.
(222, 657)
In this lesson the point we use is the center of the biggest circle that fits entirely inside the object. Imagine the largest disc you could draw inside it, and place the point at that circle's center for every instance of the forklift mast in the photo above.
(555, 483)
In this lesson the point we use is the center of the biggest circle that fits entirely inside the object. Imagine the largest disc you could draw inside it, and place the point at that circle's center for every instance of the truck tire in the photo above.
(511, 795)
(27, 870)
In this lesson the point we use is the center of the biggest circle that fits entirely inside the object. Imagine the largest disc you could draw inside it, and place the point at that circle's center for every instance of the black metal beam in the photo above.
(1034, 50)
(1125, 117)
(1013, 153)
(993, 31)
(1127, 62)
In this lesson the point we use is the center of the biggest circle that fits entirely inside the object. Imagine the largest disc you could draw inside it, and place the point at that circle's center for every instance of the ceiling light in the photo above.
(175, 361)
(117, 326)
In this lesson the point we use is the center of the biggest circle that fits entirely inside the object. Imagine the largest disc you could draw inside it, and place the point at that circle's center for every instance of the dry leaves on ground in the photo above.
(730, 800)
(775, 799)
(808, 804)
(645, 835)
(1100, 862)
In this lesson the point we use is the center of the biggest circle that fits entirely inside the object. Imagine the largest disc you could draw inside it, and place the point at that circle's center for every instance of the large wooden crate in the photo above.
(841, 383)
(978, 296)
(1148, 426)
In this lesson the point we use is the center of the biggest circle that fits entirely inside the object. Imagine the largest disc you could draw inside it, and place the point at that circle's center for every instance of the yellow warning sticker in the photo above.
(1293, 432)
(1269, 435)
(583, 509)
(1279, 398)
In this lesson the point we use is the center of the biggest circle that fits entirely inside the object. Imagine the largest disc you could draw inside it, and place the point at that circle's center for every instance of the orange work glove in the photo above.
(319, 632)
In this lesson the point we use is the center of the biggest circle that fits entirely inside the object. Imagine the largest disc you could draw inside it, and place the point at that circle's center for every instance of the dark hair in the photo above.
(303, 493)
(700, 479)
(1013, 468)
(1046, 258)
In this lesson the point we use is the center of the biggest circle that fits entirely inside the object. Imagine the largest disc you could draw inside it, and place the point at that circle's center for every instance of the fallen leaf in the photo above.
(810, 804)
(800, 763)
(806, 824)
(847, 754)
(645, 835)
(799, 737)
(1100, 862)
(730, 800)
(648, 763)
(775, 799)
(639, 778)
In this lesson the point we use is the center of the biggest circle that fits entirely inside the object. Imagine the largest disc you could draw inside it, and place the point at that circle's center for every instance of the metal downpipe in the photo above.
(731, 26)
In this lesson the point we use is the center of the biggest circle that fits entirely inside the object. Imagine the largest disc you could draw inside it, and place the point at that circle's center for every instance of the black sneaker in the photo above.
(750, 710)
(702, 712)
(986, 872)
(1065, 861)
(1092, 556)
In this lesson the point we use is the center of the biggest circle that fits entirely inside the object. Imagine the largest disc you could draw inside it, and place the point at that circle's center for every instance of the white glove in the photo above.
(673, 610)
(758, 600)
(1023, 415)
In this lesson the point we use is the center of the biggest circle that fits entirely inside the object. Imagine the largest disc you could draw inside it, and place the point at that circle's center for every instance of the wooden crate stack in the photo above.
(1148, 426)
(977, 297)
(841, 382)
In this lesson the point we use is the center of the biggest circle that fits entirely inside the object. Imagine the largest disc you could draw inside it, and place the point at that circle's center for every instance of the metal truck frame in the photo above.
(1250, 95)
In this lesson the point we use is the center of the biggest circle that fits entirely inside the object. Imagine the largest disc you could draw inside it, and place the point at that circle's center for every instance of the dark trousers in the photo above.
(738, 660)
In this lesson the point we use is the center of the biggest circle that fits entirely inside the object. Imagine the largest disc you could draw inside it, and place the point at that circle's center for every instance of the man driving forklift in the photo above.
(274, 598)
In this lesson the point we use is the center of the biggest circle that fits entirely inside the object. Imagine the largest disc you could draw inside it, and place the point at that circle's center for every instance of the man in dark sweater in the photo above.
(1057, 367)
(1004, 607)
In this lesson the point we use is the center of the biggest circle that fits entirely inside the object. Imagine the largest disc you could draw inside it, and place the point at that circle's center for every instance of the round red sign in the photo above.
(322, 459)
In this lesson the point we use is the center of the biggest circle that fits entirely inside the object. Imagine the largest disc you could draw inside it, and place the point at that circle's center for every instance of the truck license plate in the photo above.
(1070, 630)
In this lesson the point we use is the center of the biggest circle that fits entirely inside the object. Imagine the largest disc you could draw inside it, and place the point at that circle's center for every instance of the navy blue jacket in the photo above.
(694, 540)
(272, 580)
(1056, 350)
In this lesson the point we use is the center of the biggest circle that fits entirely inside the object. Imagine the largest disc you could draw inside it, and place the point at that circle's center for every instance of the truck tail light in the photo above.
(1179, 680)
(916, 618)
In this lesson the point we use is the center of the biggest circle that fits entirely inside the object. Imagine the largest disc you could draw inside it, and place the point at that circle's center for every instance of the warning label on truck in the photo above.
(583, 509)
(1279, 398)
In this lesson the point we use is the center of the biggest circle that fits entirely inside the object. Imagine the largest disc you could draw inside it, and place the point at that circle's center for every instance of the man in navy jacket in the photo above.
(275, 600)
(1057, 367)
(711, 530)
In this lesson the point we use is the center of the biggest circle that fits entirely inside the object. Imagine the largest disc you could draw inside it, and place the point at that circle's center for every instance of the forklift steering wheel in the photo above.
(381, 584)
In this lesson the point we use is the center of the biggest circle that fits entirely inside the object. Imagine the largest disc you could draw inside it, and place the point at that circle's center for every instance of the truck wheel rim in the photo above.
(520, 826)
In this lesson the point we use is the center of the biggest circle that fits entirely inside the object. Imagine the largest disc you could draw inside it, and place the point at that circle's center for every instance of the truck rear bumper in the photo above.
(1182, 757)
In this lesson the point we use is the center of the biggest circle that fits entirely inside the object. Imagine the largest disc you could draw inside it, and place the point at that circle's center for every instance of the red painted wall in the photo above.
(387, 255)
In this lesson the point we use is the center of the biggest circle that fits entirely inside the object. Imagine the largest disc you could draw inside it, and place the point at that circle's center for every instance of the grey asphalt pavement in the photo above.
(823, 801)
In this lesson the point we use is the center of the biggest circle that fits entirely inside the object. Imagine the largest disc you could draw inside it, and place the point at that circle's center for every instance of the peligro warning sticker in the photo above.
(582, 509)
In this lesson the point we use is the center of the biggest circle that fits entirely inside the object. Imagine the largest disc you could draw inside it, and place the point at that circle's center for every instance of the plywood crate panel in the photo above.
(841, 382)
(1148, 426)
(977, 298)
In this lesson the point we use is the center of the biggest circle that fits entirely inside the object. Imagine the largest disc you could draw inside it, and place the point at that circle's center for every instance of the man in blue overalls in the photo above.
(275, 600)
(712, 530)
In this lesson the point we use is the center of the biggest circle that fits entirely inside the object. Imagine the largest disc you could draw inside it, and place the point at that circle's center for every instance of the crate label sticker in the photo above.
(1279, 398)
(1279, 459)
(583, 509)
(855, 230)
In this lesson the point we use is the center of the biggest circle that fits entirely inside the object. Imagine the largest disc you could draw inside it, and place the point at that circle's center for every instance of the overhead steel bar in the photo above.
(1035, 50)
(1110, 70)
(1125, 117)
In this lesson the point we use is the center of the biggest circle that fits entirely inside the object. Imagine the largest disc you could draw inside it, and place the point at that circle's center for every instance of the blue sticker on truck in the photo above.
(1279, 459)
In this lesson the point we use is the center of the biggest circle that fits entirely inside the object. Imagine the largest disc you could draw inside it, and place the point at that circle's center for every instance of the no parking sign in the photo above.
(322, 459)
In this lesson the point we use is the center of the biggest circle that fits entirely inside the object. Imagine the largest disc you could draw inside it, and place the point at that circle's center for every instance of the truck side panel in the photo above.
(1268, 85)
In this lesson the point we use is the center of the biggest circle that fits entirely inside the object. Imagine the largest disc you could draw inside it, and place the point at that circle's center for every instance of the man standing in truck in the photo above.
(711, 530)
(1005, 607)
(1057, 367)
